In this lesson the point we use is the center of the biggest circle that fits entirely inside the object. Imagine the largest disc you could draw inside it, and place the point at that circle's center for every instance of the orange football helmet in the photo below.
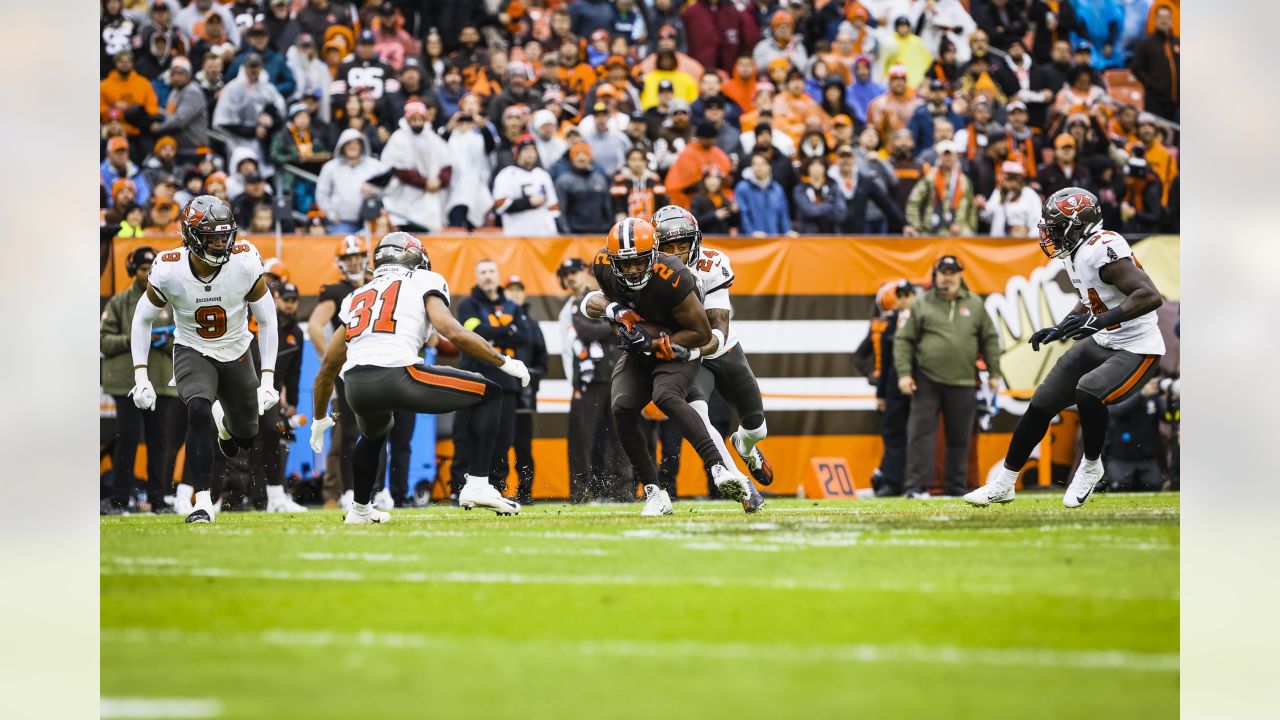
(352, 257)
(632, 247)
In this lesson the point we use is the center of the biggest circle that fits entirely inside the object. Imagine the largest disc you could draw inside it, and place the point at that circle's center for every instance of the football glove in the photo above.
(143, 392)
(664, 349)
(516, 369)
(317, 432)
(622, 314)
(1044, 337)
(268, 396)
(1092, 324)
(634, 339)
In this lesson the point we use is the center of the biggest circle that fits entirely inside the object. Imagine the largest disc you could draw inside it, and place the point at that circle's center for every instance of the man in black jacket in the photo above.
(273, 430)
(584, 194)
(895, 408)
(535, 359)
(363, 72)
(490, 314)
(1156, 62)
(1046, 80)
(1133, 449)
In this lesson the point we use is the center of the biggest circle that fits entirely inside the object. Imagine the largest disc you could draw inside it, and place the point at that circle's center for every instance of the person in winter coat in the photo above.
(249, 108)
(1014, 209)
(422, 169)
(300, 144)
(273, 63)
(714, 207)
(587, 16)
(535, 358)
(346, 180)
(761, 200)
(718, 33)
(524, 195)
(186, 116)
(310, 74)
(861, 188)
(863, 89)
(471, 142)
(551, 147)
(820, 206)
(584, 195)
(1156, 63)
(937, 104)
(942, 202)
(781, 43)
(126, 89)
(118, 166)
(636, 191)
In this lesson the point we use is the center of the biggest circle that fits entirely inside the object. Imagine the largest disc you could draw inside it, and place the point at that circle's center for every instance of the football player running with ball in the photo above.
(1118, 346)
(211, 284)
(387, 322)
(656, 302)
(724, 364)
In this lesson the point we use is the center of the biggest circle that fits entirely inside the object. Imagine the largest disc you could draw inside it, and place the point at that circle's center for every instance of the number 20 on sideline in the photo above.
(829, 479)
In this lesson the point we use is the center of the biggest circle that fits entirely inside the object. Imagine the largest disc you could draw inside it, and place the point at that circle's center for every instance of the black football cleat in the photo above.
(754, 500)
(761, 470)
(199, 515)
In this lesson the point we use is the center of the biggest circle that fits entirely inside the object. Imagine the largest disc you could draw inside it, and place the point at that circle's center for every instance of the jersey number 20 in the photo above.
(362, 310)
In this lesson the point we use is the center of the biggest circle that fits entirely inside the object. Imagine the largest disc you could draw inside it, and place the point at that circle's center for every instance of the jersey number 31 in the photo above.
(362, 310)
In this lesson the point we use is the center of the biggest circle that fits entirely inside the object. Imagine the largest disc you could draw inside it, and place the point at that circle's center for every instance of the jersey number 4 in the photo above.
(362, 310)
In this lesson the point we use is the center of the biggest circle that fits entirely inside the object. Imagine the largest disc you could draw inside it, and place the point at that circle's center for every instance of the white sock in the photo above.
(1008, 477)
(203, 500)
(752, 436)
(700, 407)
(184, 492)
(1092, 463)
(275, 492)
(477, 480)
(361, 509)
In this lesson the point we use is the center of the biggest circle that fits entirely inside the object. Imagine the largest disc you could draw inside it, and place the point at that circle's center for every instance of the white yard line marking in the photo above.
(361, 557)
(505, 578)
(733, 651)
(512, 550)
(135, 707)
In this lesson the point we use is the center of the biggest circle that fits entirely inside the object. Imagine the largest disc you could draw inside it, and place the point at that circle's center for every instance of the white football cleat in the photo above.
(730, 483)
(370, 516)
(182, 499)
(656, 502)
(484, 495)
(219, 420)
(285, 505)
(1087, 477)
(993, 492)
(383, 500)
(347, 501)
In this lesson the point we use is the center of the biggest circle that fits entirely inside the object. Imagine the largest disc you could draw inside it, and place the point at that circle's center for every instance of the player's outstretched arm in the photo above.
(330, 363)
(470, 343)
(149, 306)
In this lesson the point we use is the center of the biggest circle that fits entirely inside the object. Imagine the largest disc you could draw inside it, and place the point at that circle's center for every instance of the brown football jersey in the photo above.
(656, 302)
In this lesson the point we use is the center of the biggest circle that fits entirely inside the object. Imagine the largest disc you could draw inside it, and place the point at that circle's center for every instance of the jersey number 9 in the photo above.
(211, 321)
(362, 310)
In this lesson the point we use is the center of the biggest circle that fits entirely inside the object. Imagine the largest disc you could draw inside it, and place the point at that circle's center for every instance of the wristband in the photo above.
(609, 310)
(715, 332)
(1114, 316)
(694, 354)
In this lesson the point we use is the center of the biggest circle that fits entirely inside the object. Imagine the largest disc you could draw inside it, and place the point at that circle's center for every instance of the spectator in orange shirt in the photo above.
(126, 89)
(761, 100)
(892, 110)
(1159, 159)
(162, 219)
(691, 164)
(741, 85)
(574, 75)
(1124, 124)
(792, 107)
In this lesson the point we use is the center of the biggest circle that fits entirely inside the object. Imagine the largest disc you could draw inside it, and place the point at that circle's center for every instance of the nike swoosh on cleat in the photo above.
(1081, 498)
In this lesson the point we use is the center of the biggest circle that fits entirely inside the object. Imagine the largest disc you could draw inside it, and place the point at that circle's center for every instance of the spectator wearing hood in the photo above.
(666, 77)
(863, 89)
(681, 181)
(244, 204)
(937, 104)
(416, 198)
(551, 147)
(1163, 163)
(127, 90)
(347, 181)
(273, 63)
(713, 205)
(249, 107)
(908, 50)
(118, 166)
(310, 74)
(761, 200)
(741, 85)
(665, 16)
(471, 141)
(782, 42)
(718, 33)
(186, 116)
(584, 195)
(158, 41)
(244, 162)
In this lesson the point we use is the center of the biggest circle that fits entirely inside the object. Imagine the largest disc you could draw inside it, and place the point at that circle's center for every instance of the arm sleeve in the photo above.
(140, 332)
(264, 311)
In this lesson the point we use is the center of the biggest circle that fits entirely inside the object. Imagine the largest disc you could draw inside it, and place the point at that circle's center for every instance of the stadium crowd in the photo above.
(541, 117)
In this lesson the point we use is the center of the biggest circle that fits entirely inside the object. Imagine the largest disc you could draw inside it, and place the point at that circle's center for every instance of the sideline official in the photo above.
(936, 353)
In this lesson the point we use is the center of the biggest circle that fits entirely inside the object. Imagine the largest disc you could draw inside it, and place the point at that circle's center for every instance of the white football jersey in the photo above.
(211, 317)
(715, 276)
(386, 318)
(1140, 335)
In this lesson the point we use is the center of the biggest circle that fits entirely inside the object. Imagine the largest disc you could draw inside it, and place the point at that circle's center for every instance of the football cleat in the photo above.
(730, 483)
(383, 500)
(285, 505)
(760, 468)
(1087, 477)
(754, 500)
(371, 517)
(484, 495)
(993, 492)
(656, 502)
(200, 515)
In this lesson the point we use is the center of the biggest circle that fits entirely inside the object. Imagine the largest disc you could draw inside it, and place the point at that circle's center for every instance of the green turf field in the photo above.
(868, 608)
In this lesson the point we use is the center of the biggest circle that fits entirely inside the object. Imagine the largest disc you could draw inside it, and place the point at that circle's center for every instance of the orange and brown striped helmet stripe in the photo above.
(446, 381)
(1132, 380)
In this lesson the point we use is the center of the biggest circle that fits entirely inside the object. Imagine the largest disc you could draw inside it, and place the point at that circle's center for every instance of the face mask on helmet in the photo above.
(634, 272)
(353, 266)
(1053, 238)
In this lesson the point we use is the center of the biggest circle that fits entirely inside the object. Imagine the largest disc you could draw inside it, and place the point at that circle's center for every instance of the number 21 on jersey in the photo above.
(362, 310)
